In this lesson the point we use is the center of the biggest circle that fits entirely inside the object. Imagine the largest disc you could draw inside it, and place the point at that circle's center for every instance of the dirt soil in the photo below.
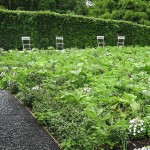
(132, 144)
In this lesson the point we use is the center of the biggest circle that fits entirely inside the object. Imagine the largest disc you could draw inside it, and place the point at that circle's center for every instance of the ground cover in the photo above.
(93, 99)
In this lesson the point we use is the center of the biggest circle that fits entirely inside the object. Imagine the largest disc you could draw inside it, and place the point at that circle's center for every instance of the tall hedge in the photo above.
(78, 31)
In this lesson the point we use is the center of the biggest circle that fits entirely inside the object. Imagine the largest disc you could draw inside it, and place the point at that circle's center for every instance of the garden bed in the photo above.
(87, 98)
(132, 144)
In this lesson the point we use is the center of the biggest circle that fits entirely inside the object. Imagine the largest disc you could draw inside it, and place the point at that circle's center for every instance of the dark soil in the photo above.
(132, 144)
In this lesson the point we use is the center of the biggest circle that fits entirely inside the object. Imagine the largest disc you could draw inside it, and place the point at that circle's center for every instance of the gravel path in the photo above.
(19, 129)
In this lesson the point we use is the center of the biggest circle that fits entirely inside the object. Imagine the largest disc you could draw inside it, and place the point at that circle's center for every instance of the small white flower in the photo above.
(134, 130)
(35, 88)
(131, 121)
(138, 131)
(89, 3)
(88, 89)
(2, 74)
(14, 73)
(141, 123)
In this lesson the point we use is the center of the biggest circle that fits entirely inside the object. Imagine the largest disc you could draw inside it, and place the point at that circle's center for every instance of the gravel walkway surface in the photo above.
(18, 128)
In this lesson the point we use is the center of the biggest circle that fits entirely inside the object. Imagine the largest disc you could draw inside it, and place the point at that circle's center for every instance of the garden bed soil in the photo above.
(132, 144)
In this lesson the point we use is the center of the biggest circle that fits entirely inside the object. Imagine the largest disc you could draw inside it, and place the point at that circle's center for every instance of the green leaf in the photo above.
(134, 106)
(76, 72)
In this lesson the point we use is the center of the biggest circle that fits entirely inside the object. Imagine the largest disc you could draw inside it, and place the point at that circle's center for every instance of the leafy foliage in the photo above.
(78, 31)
(130, 10)
(84, 97)
(60, 6)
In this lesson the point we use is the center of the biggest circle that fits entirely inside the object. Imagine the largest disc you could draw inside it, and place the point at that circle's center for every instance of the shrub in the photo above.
(78, 31)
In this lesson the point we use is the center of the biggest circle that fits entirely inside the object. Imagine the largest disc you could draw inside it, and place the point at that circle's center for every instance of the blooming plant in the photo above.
(137, 128)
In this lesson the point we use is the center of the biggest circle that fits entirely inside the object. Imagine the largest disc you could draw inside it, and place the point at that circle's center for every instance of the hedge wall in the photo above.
(78, 31)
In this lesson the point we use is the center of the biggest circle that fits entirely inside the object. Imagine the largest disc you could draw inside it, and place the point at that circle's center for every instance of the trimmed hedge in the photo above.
(78, 31)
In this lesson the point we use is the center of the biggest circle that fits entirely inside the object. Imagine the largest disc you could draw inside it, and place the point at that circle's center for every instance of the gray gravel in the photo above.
(18, 128)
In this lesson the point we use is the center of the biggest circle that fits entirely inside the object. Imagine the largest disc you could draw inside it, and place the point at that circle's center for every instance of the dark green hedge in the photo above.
(78, 31)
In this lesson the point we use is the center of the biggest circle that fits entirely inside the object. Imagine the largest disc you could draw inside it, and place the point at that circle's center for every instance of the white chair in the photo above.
(120, 41)
(100, 41)
(26, 42)
(59, 42)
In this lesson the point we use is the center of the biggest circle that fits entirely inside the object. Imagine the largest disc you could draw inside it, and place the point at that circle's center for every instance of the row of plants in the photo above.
(93, 99)
(78, 31)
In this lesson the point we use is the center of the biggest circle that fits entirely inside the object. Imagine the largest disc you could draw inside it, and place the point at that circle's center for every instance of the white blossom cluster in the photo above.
(89, 3)
(137, 127)
(143, 148)
(87, 89)
(37, 87)
(10, 83)
(2, 74)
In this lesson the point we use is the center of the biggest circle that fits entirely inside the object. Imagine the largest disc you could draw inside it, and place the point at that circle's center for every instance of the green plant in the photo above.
(31, 24)
(147, 124)
(85, 97)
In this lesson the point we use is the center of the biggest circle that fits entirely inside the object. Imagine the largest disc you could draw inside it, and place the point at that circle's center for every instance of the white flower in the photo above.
(89, 3)
(141, 123)
(88, 89)
(131, 121)
(134, 130)
(138, 131)
(2, 74)
(142, 129)
(35, 88)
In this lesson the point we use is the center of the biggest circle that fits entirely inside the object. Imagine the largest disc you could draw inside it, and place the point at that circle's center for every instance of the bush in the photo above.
(2, 7)
(78, 31)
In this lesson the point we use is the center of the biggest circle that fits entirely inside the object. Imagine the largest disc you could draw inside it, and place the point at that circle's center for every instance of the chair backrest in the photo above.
(59, 38)
(25, 38)
(100, 37)
(121, 37)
